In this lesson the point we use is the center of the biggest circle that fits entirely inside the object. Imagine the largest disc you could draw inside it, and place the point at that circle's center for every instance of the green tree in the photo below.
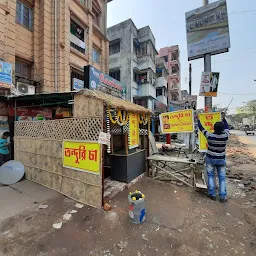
(237, 118)
(250, 110)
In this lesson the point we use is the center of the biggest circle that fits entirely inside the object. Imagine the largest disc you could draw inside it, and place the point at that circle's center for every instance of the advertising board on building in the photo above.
(207, 30)
(133, 130)
(77, 84)
(159, 107)
(177, 121)
(82, 156)
(207, 120)
(96, 80)
(209, 84)
(5, 75)
(191, 102)
(31, 114)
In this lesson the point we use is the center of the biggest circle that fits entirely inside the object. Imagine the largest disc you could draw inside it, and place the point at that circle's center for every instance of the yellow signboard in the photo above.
(82, 156)
(133, 130)
(177, 121)
(207, 120)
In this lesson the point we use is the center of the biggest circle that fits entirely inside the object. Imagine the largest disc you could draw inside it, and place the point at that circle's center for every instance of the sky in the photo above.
(166, 19)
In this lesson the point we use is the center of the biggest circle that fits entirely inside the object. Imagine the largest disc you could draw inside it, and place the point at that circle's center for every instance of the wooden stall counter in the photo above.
(126, 168)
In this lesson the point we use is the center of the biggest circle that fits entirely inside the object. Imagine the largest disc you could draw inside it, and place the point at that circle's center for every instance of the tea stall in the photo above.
(66, 155)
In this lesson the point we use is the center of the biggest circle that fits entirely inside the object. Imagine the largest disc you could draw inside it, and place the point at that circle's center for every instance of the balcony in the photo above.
(174, 87)
(145, 62)
(161, 63)
(161, 82)
(162, 99)
(147, 90)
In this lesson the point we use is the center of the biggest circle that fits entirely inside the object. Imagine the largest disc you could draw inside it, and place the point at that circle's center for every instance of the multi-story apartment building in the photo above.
(132, 56)
(171, 56)
(49, 42)
(161, 82)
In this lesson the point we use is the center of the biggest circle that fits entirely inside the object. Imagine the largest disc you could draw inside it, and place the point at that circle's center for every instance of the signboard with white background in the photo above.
(207, 30)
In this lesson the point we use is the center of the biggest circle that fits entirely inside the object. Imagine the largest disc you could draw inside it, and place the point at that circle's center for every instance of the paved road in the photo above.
(249, 140)
(22, 196)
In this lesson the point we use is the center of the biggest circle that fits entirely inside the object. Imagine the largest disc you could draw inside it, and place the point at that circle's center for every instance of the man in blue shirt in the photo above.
(4, 148)
(216, 157)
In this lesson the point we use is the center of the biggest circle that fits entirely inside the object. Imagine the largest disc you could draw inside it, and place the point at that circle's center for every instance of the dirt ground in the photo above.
(179, 222)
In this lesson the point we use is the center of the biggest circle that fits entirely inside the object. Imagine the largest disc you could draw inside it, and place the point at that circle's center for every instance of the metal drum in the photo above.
(137, 210)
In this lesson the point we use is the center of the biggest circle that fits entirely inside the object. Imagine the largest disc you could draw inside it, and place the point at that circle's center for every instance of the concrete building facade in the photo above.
(49, 42)
(171, 56)
(132, 61)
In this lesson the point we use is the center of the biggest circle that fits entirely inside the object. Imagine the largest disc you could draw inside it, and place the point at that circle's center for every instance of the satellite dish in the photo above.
(11, 172)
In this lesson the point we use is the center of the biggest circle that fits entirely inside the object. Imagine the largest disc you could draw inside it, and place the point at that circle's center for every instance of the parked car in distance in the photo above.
(249, 130)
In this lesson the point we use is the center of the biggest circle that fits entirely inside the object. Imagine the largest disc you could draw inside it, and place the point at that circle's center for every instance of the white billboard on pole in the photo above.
(207, 30)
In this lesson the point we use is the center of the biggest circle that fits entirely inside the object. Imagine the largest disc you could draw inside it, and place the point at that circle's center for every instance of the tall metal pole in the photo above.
(191, 144)
(190, 80)
(207, 68)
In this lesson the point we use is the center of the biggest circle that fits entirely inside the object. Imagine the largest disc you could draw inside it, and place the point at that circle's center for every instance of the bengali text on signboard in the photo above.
(207, 30)
(82, 156)
(207, 120)
(133, 130)
(177, 121)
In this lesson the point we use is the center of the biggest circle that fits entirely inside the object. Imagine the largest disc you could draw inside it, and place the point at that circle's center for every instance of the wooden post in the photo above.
(112, 143)
(103, 147)
(148, 146)
(126, 143)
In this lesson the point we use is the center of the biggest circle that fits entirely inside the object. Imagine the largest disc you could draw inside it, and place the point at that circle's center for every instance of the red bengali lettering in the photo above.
(93, 155)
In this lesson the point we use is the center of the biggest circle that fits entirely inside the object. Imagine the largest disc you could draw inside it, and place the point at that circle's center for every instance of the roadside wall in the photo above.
(38, 145)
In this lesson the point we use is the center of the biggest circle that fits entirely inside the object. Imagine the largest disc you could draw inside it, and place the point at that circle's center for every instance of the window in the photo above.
(23, 15)
(135, 77)
(96, 11)
(159, 92)
(143, 78)
(114, 48)
(144, 48)
(95, 56)
(166, 58)
(75, 74)
(77, 36)
(175, 69)
(115, 74)
(174, 56)
(136, 46)
(96, 17)
(23, 70)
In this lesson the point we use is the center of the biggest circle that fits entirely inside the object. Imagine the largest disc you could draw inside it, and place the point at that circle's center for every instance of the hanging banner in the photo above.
(207, 120)
(209, 84)
(82, 156)
(177, 121)
(133, 130)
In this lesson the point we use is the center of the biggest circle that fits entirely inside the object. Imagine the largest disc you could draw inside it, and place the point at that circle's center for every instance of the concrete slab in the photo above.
(22, 196)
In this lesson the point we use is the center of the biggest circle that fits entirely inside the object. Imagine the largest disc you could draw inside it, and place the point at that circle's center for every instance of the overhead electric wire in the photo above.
(238, 94)
(246, 11)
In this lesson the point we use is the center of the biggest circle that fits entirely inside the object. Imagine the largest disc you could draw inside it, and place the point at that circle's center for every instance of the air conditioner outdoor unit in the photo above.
(25, 89)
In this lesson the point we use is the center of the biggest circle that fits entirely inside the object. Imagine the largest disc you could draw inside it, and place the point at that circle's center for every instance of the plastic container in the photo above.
(137, 210)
